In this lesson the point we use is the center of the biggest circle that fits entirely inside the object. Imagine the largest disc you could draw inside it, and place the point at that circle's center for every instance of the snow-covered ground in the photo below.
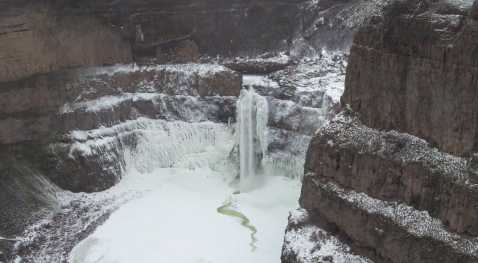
(178, 221)
(174, 174)
(309, 243)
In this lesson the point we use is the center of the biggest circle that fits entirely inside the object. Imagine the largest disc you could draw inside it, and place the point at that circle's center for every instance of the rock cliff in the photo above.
(395, 174)
(426, 55)
(72, 119)
(43, 36)
(39, 36)
(43, 115)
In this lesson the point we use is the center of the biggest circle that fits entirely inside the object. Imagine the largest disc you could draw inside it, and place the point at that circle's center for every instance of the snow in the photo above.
(325, 74)
(462, 5)
(251, 80)
(79, 135)
(159, 144)
(350, 132)
(312, 244)
(416, 223)
(178, 221)
(186, 70)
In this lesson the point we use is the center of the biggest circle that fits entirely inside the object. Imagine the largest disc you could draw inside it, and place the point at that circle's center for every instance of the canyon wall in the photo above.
(42, 37)
(395, 174)
(231, 28)
(46, 116)
(76, 96)
(427, 58)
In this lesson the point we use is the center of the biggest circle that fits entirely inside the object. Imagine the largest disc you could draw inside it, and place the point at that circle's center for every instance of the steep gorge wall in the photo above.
(41, 37)
(427, 57)
(393, 196)
(233, 28)
(46, 119)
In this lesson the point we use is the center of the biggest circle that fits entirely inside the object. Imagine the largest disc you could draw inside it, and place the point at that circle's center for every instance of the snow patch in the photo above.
(179, 222)
(417, 223)
(312, 244)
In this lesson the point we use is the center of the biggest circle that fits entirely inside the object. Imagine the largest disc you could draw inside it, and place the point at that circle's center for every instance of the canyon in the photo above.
(122, 122)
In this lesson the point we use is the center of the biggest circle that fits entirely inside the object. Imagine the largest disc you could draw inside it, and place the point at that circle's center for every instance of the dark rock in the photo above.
(397, 167)
(40, 37)
(395, 232)
(416, 73)
(410, 73)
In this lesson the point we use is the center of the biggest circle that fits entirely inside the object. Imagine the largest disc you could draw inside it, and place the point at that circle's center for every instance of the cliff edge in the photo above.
(395, 175)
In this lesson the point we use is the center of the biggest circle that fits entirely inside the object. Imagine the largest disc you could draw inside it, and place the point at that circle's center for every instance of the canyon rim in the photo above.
(239, 131)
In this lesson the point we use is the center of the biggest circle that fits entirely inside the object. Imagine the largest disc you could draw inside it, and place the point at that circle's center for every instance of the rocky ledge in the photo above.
(416, 72)
(391, 194)
(395, 175)
(45, 121)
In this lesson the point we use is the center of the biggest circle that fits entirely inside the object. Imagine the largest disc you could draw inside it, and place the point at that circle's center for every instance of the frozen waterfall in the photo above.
(252, 113)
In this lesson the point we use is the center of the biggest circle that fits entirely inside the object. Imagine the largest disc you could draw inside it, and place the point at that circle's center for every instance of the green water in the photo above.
(226, 210)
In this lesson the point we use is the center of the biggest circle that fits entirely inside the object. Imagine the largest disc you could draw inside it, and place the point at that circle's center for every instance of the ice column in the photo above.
(252, 113)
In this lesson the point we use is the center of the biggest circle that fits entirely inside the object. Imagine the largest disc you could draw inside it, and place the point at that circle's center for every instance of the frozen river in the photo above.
(179, 221)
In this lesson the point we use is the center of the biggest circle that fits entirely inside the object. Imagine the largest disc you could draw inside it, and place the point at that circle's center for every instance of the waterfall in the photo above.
(252, 113)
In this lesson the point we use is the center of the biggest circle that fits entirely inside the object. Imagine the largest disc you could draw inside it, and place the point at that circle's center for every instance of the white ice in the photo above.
(178, 221)
(261, 80)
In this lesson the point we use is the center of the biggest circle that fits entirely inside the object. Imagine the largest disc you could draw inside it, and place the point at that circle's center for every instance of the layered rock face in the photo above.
(391, 196)
(46, 117)
(42, 36)
(231, 28)
(67, 126)
(426, 56)
(36, 36)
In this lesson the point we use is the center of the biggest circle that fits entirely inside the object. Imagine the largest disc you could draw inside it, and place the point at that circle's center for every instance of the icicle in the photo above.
(148, 144)
(252, 114)
(139, 34)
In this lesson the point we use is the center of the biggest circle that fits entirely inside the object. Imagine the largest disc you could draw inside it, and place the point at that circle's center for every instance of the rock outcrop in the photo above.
(415, 72)
(37, 36)
(67, 126)
(395, 175)
(46, 116)
(387, 190)
(43, 36)
(230, 29)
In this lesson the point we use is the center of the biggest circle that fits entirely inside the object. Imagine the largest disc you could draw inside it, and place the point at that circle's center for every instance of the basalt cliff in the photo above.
(395, 173)
(388, 168)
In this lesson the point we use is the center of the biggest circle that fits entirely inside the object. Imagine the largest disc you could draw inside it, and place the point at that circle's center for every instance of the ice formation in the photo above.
(147, 144)
(252, 114)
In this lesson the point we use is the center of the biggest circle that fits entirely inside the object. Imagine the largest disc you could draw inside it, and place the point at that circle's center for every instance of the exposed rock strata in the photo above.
(43, 114)
(50, 104)
(396, 232)
(43, 36)
(386, 191)
(415, 72)
(398, 167)
(40, 37)
(393, 195)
